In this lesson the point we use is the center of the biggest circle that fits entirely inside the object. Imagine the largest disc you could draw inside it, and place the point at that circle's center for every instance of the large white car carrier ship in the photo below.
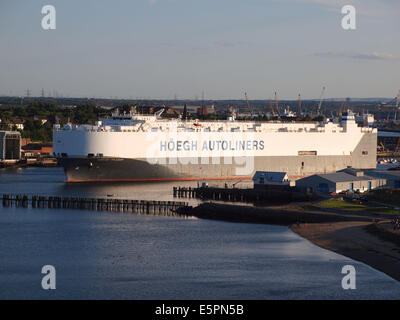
(147, 148)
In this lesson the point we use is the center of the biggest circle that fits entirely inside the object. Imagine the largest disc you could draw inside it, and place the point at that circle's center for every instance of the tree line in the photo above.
(39, 117)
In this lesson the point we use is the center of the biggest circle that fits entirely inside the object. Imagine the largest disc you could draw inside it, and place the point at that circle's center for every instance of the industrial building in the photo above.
(349, 179)
(37, 149)
(10, 145)
(392, 177)
(269, 179)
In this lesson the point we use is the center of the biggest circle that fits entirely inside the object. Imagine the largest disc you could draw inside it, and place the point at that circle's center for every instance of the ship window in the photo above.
(307, 153)
(365, 153)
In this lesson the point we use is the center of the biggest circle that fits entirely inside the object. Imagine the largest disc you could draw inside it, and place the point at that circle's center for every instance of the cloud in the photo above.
(359, 56)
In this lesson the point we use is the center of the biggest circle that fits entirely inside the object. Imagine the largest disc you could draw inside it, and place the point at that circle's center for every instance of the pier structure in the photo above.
(242, 195)
(162, 208)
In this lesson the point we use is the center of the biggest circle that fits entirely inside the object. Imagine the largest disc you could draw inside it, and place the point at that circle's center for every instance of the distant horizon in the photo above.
(199, 100)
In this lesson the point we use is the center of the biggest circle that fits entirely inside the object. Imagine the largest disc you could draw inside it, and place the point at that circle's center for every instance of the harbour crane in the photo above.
(271, 107)
(342, 105)
(321, 98)
(276, 103)
(396, 105)
(383, 149)
(249, 106)
(396, 149)
(299, 104)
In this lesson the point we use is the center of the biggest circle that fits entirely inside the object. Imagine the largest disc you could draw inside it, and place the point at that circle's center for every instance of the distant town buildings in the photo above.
(365, 119)
(70, 107)
(43, 120)
(32, 150)
(10, 145)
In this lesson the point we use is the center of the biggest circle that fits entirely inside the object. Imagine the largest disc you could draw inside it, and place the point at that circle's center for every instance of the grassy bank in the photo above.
(350, 206)
(389, 196)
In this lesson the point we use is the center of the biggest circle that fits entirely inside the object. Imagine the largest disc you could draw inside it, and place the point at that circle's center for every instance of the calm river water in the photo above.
(104, 255)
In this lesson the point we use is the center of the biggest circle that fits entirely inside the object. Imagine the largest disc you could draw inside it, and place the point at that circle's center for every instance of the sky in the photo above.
(164, 49)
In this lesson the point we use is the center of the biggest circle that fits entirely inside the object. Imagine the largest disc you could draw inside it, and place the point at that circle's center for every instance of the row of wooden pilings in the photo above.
(185, 192)
(210, 193)
(249, 195)
(165, 208)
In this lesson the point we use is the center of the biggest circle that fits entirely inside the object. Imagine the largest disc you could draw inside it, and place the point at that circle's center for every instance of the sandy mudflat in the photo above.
(362, 236)
(362, 241)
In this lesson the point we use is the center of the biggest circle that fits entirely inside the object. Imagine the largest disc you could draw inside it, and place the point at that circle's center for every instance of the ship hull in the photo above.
(216, 150)
(92, 169)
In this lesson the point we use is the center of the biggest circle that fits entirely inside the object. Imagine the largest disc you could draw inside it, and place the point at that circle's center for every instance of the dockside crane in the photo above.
(396, 105)
(396, 148)
(383, 149)
(342, 105)
(321, 98)
(299, 104)
(276, 103)
(249, 106)
(271, 107)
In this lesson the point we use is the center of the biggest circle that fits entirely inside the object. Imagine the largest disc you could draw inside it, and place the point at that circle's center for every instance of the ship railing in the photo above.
(367, 130)
(262, 129)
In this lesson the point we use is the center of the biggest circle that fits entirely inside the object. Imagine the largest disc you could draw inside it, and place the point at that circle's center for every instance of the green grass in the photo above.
(390, 196)
(348, 206)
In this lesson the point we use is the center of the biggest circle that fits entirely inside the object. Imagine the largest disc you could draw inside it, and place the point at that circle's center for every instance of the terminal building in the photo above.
(349, 179)
(10, 145)
(392, 177)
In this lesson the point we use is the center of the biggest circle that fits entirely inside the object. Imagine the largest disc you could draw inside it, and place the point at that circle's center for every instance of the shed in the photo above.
(270, 179)
(392, 177)
(341, 181)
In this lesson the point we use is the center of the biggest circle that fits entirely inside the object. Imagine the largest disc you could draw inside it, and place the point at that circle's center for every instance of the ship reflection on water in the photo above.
(51, 182)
